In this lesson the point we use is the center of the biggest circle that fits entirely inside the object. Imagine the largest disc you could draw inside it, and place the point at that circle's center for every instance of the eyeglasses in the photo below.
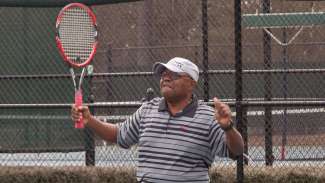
(172, 75)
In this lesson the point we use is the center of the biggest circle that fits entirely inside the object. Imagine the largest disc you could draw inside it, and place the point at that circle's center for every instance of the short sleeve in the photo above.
(217, 140)
(128, 131)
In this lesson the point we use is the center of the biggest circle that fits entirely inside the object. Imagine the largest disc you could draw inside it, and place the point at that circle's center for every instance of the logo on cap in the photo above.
(179, 65)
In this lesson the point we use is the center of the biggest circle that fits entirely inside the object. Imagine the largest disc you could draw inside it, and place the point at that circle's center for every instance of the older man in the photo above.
(178, 137)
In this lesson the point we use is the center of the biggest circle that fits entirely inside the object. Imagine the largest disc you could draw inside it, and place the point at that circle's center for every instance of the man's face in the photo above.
(175, 86)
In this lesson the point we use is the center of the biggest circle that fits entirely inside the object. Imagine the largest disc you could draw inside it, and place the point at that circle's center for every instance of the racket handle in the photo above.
(78, 103)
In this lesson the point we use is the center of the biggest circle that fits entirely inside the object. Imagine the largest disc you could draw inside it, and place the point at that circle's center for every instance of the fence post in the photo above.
(90, 139)
(244, 133)
(205, 50)
(239, 84)
(268, 90)
(285, 93)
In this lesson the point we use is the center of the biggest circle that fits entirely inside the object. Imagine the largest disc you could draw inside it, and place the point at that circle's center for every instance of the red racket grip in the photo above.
(78, 103)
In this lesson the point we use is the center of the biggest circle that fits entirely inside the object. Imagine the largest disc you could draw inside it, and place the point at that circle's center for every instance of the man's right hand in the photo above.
(83, 111)
(106, 131)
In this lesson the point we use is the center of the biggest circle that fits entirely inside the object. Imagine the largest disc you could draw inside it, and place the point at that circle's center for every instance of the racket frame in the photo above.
(78, 91)
(58, 40)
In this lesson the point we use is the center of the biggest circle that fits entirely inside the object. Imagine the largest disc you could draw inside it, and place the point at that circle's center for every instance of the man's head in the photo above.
(178, 65)
(178, 77)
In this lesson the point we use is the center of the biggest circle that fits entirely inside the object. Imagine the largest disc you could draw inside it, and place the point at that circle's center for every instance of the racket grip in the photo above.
(78, 103)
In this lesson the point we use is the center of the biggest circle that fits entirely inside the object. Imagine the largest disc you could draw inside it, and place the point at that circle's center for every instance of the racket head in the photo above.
(76, 34)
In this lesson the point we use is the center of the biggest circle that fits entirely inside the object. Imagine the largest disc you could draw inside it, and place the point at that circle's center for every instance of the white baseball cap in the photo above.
(178, 65)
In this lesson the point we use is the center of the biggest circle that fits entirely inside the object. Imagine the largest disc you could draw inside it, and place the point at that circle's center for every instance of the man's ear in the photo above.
(193, 83)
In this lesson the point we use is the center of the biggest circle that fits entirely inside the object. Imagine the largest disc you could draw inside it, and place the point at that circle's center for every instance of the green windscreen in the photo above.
(28, 49)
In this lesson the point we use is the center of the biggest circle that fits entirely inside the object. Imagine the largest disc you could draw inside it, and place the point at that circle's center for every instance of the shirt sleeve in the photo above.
(128, 131)
(217, 140)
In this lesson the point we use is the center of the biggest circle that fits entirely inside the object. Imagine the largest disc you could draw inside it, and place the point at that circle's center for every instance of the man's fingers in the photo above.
(77, 112)
(217, 103)
(221, 108)
(80, 109)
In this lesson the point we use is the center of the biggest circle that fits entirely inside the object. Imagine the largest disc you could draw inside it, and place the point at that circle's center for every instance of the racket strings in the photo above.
(78, 34)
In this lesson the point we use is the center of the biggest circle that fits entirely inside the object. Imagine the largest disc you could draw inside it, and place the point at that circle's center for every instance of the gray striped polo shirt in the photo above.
(177, 148)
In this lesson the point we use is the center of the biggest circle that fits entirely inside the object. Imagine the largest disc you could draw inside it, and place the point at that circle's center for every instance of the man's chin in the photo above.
(165, 91)
(166, 94)
(169, 96)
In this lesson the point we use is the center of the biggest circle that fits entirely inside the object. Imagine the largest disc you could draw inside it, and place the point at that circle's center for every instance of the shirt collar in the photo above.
(188, 111)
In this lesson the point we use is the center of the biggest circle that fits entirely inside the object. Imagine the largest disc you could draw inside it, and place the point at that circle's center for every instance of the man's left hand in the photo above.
(222, 113)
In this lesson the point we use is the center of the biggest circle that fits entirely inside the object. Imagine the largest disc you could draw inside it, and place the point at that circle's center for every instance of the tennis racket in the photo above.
(76, 39)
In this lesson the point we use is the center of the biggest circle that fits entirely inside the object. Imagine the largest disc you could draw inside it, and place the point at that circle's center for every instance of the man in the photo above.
(177, 136)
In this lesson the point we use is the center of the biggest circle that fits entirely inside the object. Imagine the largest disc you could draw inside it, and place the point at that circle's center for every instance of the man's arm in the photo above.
(234, 140)
(106, 131)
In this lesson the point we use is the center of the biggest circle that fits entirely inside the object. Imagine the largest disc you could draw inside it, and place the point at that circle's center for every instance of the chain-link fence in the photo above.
(282, 50)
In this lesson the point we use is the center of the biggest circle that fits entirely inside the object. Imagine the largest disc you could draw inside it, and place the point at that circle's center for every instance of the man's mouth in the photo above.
(164, 85)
